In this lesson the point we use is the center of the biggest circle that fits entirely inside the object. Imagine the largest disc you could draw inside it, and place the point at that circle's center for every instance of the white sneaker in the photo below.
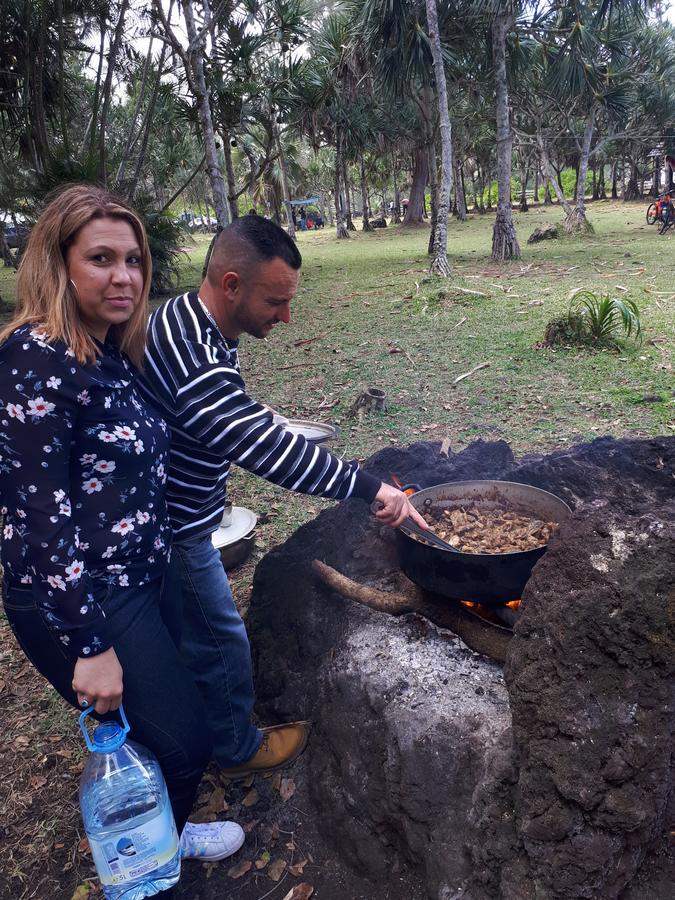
(210, 841)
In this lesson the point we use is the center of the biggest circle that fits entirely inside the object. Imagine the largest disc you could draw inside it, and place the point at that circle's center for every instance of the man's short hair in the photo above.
(247, 240)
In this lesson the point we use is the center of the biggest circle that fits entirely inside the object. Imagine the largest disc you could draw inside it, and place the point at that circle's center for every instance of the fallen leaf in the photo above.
(263, 859)
(83, 891)
(276, 869)
(251, 798)
(297, 869)
(240, 869)
(83, 846)
(286, 789)
(301, 891)
(249, 826)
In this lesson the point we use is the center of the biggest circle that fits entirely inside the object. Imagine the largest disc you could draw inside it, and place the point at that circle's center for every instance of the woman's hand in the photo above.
(392, 507)
(98, 681)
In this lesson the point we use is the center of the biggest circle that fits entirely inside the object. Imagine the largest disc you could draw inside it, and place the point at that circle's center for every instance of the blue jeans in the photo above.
(160, 700)
(214, 646)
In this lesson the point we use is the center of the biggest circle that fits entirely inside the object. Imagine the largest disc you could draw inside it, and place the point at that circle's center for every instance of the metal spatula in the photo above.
(411, 527)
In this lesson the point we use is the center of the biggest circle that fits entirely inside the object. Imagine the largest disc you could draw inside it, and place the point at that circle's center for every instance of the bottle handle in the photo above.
(126, 728)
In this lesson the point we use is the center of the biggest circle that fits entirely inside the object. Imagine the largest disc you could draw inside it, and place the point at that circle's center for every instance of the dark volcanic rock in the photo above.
(590, 678)
(412, 734)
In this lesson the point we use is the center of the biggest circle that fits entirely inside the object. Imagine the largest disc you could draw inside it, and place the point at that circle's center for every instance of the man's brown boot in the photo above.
(281, 744)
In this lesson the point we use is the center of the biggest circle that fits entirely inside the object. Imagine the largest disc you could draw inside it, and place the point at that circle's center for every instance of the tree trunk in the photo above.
(348, 203)
(439, 264)
(231, 180)
(107, 91)
(460, 197)
(283, 176)
(615, 195)
(549, 172)
(5, 252)
(364, 197)
(524, 178)
(134, 132)
(433, 192)
(504, 239)
(594, 176)
(146, 127)
(62, 97)
(632, 191)
(577, 221)
(341, 228)
(535, 192)
(90, 130)
(396, 218)
(548, 200)
(602, 193)
(481, 191)
(414, 214)
(489, 190)
(200, 90)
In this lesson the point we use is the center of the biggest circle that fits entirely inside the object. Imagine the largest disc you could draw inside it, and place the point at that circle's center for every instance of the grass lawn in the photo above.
(367, 315)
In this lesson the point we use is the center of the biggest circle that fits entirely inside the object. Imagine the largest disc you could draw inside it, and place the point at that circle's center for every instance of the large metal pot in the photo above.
(488, 578)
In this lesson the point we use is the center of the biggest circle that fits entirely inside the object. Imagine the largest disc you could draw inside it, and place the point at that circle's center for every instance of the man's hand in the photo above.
(98, 680)
(392, 507)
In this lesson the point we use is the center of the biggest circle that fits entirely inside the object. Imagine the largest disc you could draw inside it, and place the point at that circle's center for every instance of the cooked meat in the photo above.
(495, 530)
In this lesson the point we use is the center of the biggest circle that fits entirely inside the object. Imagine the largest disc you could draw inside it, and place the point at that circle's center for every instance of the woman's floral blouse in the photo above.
(83, 462)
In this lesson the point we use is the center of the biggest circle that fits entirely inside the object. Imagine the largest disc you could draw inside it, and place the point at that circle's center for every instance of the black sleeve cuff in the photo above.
(366, 486)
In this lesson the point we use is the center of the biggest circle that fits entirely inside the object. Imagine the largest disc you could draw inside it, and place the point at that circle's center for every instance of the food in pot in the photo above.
(497, 529)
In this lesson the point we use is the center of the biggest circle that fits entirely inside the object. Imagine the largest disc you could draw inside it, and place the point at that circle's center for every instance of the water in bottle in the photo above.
(127, 815)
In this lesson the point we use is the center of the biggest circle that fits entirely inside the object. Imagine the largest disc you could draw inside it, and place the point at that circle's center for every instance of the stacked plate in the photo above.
(235, 540)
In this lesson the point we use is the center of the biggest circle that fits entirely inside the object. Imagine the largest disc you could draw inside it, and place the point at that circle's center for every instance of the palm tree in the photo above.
(439, 264)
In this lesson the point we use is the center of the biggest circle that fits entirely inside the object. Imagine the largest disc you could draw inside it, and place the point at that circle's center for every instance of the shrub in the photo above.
(594, 319)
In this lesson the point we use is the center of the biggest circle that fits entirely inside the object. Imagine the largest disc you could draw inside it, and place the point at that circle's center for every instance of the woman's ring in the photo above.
(84, 702)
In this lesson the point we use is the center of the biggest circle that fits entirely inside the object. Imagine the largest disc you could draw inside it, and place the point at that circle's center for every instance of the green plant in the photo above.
(603, 314)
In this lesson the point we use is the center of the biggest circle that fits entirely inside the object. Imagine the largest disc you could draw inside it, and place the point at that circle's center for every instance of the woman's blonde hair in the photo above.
(45, 295)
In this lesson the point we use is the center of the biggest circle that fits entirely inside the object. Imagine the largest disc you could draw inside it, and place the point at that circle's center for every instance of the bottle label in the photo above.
(128, 855)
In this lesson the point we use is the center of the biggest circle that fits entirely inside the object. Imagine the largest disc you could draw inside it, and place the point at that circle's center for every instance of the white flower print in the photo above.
(15, 410)
(64, 508)
(104, 465)
(142, 517)
(124, 525)
(84, 610)
(107, 403)
(8, 532)
(56, 581)
(138, 446)
(83, 398)
(26, 579)
(91, 485)
(21, 513)
(160, 471)
(124, 432)
(107, 437)
(88, 458)
(115, 569)
(40, 407)
(59, 495)
(32, 489)
(74, 570)
(53, 382)
(107, 553)
(124, 580)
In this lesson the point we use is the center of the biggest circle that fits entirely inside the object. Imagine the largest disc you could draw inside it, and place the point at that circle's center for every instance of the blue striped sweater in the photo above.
(192, 375)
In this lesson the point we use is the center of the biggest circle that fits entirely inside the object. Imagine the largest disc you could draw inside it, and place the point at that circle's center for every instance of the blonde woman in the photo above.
(83, 461)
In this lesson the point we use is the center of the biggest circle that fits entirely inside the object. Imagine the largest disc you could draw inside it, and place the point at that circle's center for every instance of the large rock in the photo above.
(582, 786)
(412, 735)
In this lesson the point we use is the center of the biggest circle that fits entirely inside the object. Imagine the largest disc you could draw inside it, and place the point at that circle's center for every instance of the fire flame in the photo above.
(399, 484)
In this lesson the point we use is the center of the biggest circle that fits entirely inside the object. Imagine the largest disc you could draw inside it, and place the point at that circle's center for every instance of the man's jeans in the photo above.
(214, 646)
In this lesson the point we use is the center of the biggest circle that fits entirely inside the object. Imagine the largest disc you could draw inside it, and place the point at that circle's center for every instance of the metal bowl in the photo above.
(488, 578)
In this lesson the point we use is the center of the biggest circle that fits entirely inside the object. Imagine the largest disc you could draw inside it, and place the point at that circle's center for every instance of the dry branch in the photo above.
(469, 373)
(394, 604)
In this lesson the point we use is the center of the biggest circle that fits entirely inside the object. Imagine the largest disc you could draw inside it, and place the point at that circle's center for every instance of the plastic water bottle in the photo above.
(127, 815)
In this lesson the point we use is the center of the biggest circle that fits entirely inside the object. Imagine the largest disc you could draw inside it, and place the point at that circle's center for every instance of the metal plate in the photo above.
(243, 522)
(312, 431)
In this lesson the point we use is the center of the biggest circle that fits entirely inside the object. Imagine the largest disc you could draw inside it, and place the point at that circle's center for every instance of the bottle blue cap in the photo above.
(109, 736)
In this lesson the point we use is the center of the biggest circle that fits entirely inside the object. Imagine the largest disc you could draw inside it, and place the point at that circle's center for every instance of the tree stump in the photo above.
(369, 401)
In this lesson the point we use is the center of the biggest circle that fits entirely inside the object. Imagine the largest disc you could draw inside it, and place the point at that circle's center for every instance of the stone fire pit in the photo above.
(432, 764)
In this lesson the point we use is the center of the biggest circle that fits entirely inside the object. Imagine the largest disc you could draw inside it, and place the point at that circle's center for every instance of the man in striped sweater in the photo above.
(192, 375)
